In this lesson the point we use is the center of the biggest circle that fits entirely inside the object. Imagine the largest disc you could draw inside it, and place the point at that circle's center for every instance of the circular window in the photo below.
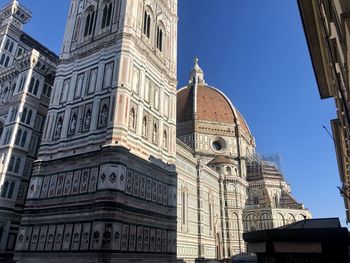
(219, 144)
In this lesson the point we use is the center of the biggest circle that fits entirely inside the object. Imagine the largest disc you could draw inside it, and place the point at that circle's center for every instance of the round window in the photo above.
(219, 144)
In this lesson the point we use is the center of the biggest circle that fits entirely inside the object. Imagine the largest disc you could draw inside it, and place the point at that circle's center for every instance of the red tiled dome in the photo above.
(212, 106)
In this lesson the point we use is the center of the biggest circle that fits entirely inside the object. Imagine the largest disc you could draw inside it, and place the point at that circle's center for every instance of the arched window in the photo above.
(17, 165)
(276, 201)
(12, 187)
(160, 38)
(5, 188)
(24, 138)
(11, 47)
(147, 24)
(132, 119)
(7, 44)
(37, 82)
(165, 140)
(18, 136)
(89, 23)
(29, 117)
(144, 127)
(2, 59)
(24, 115)
(12, 163)
(255, 200)
(7, 60)
(107, 16)
(31, 85)
(21, 84)
(155, 134)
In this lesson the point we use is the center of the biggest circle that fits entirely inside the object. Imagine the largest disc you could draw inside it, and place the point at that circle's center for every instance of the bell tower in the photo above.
(105, 179)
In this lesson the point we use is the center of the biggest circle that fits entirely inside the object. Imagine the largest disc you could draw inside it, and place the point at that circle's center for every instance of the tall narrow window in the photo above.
(155, 134)
(12, 187)
(147, 24)
(12, 163)
(2, 59)
(144, 127)
(7, 60)
(21, 84)
(7, 44)
(160, 39)
(29, 117)
(24, 115)
(106, 16)
(24, 138)
(89, 23)
(31, 85)
(18, 136)
(165, 140)
(5, 188)
(36, 87)
(11, 47)
(17, 165)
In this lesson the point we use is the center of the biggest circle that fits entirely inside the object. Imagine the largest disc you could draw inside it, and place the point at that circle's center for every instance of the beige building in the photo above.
(129, 168)
(224, 187)
(327, 29)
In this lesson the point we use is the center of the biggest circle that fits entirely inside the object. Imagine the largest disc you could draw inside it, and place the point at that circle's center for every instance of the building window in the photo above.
(36, 87)
(107, 16)
(7, 60)
(11, 47)
(29, 117)
(165, 140)
(155, 134)
(7, 44)
(24, 115)
(147, 24)
(2, 60)
(5, 188)
(89, 23)
(24, 139)
(18, 136)
(144, 127)
(31, 85)
(160, 39)
(255, 200)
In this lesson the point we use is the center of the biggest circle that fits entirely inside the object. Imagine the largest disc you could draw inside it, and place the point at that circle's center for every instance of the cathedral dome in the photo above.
(205, 103)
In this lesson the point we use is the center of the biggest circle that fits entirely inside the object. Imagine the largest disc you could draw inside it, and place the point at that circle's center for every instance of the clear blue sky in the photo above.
(255, 52)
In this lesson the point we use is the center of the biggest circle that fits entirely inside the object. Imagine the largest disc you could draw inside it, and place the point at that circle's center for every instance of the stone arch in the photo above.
(290, 218)
(265, 221)
(251, 222)
(279, 220)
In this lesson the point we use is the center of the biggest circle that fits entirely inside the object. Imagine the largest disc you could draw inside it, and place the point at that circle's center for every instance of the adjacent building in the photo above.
(327, 29)
(129, 168)
(27, 72)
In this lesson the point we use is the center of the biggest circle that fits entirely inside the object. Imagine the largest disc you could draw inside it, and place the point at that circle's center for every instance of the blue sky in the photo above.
(256, 53)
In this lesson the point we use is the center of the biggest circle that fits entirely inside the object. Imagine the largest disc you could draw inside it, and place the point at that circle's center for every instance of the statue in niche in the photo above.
(132, 119)
(73, 124)
(87, 120)
(58, 128)
(103, 116)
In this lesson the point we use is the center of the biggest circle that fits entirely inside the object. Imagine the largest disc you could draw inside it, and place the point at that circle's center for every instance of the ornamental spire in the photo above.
(197, 75)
